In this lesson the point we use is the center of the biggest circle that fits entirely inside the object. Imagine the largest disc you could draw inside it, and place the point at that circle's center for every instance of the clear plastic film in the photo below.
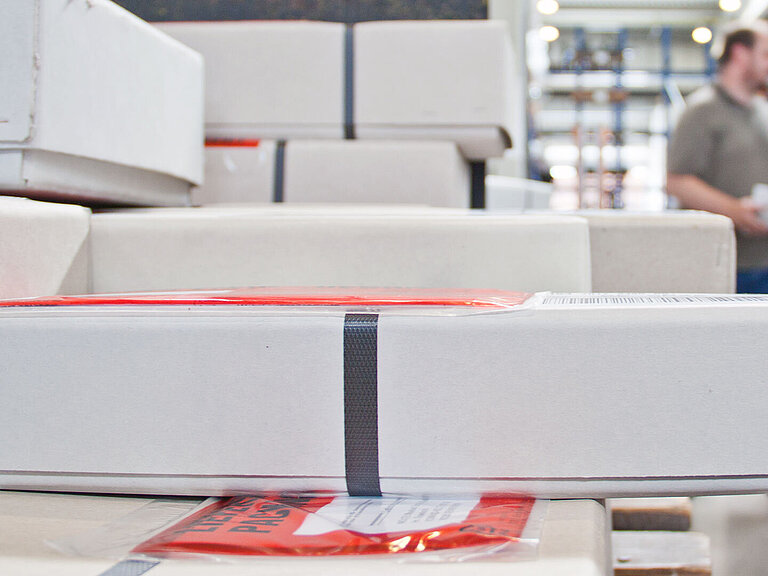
(490, 527)
(117, 538)
(420, 301)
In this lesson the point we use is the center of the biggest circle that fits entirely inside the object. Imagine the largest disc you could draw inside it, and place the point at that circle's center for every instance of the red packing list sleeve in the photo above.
(343, 525)
(296, 296)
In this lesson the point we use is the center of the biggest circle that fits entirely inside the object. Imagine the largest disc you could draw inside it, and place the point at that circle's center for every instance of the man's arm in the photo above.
(694, 193)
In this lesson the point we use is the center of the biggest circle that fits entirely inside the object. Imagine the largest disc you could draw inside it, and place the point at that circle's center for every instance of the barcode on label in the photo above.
(635, 299)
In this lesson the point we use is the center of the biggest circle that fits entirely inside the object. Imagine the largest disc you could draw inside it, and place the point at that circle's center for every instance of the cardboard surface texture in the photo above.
(409, 81)
(507, 193)
(286, 82)
(426, 173)
(165, 249)
(238, 174)
(573, 541)
(465, 402)
(424, 80)
(96, 105)
(43, 248)
(672, 251)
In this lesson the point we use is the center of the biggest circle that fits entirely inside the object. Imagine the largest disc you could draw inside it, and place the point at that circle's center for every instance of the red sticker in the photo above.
(232, 143)
(337, 526)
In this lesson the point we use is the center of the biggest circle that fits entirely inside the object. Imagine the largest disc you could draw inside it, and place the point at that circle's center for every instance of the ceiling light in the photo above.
(729, 5)
(549, 7)
(549, 33)
(563, 172)
(702, 35)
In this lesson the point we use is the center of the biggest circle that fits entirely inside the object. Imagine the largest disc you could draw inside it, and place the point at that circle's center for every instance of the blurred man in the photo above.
(719, 150)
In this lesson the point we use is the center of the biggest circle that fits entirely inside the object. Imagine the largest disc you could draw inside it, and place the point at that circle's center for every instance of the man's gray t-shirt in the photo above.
(726, 145)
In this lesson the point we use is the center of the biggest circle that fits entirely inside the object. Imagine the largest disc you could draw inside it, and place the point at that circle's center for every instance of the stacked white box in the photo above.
(573, 540)
(96, 105)
(435, 80)
(238, 174)
(391, 81)
(276, 80)
(508, 193)
(324, 171)
(564, 397)
(43, 248)
(672, 251)
(157, 249)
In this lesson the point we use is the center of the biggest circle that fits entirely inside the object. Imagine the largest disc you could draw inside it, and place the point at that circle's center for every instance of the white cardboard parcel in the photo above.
(351, 171)
(573, 540)
(220, 247)
(509, 193)
(96, 105)
(435, 80)
(671, 251)
(567, 396)
(238, 174)
(43, 248)
(278, 80)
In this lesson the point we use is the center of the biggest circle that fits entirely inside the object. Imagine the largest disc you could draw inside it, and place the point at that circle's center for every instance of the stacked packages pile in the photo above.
(375, 112)
(464, 389)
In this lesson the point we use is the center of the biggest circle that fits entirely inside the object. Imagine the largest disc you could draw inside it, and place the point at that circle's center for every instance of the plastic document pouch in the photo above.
(423, 301)
(326, 525)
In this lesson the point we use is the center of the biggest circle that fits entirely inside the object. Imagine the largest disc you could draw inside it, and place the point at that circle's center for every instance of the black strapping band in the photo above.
(278, 188)
(361, 406)
(477, 184)
(349, 83)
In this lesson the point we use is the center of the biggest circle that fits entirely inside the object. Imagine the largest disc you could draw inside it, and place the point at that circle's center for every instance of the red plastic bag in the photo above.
(296, 296)
(338, 526)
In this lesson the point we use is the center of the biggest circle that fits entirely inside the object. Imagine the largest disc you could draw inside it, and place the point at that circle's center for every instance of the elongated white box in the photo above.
(43, 248)
(278, 80)
(326, 171)
(96, 105)
(560, 396)
(671, 251)
(221, 247)
(435, 80)
(572, 539)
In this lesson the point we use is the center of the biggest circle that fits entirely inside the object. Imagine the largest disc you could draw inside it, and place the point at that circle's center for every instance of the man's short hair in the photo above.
(740, 35)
